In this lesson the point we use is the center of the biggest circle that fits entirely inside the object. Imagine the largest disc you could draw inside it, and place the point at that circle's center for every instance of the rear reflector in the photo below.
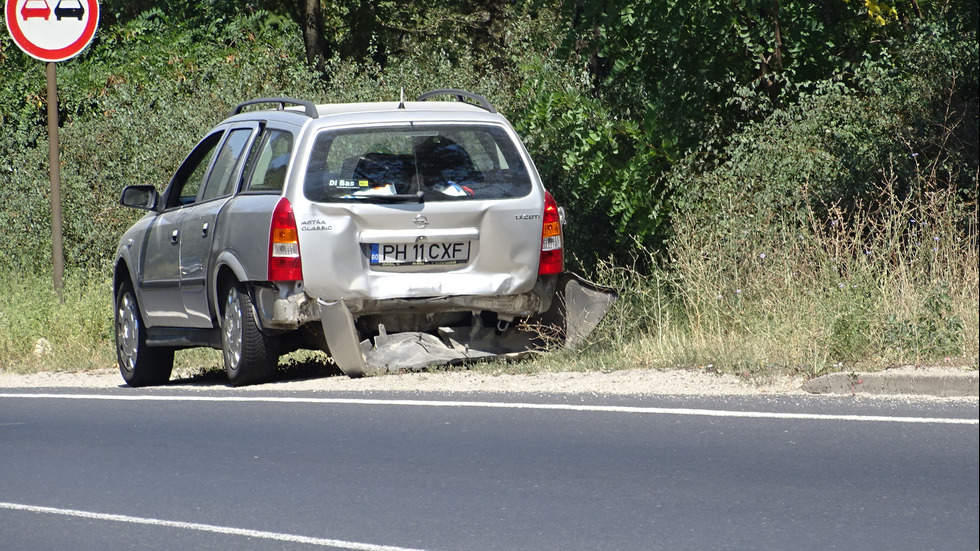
(285, 263)
(552, 258)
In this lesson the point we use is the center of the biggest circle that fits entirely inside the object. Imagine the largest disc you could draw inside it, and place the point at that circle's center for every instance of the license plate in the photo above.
(419, 254)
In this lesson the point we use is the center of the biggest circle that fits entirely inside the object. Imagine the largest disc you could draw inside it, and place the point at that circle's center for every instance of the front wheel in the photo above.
(250, 355)
(138, 364)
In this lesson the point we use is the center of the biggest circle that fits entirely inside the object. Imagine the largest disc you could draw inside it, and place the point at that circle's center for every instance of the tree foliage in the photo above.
(632, 110)
(667, 80)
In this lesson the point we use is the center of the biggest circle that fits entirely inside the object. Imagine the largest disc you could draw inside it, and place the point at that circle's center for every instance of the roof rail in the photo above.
(308, 106)
(459, 94)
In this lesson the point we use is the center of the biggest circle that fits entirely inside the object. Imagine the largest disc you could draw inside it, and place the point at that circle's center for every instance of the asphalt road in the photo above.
(221, 469)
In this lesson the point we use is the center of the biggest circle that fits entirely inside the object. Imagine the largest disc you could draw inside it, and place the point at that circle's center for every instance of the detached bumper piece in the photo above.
(578, 308)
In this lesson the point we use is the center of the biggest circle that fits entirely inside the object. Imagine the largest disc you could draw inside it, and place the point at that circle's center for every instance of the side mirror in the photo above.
(140, 197)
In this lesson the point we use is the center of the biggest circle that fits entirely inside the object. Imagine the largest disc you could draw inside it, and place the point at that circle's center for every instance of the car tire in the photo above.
(138, 364)
(250, 355)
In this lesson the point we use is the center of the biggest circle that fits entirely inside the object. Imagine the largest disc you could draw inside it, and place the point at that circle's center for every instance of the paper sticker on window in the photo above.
(348, 184)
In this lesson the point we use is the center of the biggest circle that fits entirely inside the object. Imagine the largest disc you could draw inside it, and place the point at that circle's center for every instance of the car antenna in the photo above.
(401, 102)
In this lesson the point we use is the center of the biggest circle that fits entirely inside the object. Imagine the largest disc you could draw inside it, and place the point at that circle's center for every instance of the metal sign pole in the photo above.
(54, 164)
(52, 39)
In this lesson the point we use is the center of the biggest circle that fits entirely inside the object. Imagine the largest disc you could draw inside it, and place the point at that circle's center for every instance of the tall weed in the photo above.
(884, 285)
(39, 332)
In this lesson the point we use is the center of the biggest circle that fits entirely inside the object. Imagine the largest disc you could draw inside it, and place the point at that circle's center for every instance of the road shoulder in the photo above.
(910, 380)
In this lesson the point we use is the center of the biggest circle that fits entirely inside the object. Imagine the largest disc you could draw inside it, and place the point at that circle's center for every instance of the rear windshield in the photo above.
(434, 163)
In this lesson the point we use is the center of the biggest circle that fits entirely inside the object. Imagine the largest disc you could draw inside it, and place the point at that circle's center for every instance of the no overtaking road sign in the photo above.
(52, 30)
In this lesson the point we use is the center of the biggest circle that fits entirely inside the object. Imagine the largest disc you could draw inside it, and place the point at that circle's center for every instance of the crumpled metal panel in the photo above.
(335, 241)
(578, 308)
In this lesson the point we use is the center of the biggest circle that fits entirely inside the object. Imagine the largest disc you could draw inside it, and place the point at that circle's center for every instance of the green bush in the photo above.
(130, 110)
(843, 229)
(603, 169)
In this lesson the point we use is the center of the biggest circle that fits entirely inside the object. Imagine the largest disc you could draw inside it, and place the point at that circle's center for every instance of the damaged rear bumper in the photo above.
(571, 317)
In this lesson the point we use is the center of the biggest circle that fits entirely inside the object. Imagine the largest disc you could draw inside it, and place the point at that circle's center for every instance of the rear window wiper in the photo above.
(396, 198)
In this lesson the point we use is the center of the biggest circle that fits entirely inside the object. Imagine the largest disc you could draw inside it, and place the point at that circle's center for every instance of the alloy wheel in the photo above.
(232, 328)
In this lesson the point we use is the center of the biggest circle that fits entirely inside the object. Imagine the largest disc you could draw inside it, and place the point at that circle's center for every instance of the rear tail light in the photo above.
(285, 263)
(552, 258)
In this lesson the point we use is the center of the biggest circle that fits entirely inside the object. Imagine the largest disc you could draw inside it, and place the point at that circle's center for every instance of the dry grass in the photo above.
(866, 289)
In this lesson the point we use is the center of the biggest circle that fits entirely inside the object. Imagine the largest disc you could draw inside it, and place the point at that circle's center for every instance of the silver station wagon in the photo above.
(390, 235)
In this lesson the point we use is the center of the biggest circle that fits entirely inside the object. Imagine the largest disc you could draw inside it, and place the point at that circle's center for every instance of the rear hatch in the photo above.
(417, 210)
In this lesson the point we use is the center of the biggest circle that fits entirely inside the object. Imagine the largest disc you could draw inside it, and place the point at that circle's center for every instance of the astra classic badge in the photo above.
(315, 225)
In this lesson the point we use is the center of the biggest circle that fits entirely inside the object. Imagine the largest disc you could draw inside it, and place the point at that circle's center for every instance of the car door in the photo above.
(202, 219)
(159, 286)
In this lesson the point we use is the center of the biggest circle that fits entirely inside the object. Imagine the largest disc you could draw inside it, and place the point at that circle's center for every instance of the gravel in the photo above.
(622, 382)
(626, 382)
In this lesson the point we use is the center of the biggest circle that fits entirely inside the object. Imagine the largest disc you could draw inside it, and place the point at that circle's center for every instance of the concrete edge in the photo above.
(947, 384)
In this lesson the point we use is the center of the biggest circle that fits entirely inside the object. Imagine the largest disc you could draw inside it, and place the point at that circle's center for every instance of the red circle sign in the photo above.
(52, 30)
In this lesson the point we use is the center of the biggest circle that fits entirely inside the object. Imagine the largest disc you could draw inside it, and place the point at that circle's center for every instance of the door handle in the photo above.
(204, 229)
(173, 237)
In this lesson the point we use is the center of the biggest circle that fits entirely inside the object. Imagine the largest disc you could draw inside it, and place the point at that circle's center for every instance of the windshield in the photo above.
(415, 163)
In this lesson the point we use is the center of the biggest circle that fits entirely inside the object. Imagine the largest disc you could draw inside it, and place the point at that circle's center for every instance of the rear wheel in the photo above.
(138, 364)
(250, 355)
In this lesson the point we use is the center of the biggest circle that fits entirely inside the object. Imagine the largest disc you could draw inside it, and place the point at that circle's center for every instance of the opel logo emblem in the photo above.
(421, 221)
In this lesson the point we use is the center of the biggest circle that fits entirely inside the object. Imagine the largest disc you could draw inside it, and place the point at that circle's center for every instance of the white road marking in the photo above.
(499, 405)
(322, 542)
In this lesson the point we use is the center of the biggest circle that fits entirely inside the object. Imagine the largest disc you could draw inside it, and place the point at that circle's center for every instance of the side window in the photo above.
(220, 182)
(269, 162)
(189, 177)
